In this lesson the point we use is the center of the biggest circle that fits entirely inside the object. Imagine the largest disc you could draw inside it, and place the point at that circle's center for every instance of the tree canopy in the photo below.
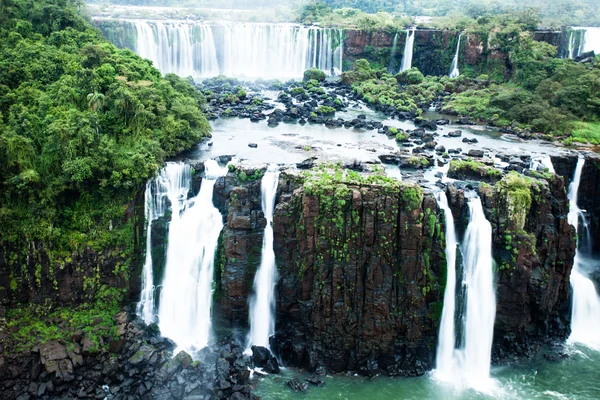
(82, 126)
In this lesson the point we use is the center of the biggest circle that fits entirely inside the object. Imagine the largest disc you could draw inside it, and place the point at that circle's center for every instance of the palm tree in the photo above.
(95, 101)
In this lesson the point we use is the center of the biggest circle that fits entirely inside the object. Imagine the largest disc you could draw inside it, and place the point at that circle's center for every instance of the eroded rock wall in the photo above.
(533, 257)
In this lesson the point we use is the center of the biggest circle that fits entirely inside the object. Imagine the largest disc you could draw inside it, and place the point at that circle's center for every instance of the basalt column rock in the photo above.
(533, 248)
(237, 196)
(361, 276)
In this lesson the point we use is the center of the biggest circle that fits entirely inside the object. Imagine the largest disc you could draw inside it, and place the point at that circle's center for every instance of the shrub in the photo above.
(314, 73)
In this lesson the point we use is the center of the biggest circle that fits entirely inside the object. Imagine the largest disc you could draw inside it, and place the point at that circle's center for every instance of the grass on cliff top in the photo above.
(326, 177)
(587, 132)
(515, 189)
(474, 166)
(36, 324)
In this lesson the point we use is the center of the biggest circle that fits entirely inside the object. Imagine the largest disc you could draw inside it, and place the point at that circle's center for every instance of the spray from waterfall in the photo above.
(454, 71)
(583, 40)
(585, 317)
(447, 334)
(262, 304)
(408, 50)
(186, 297)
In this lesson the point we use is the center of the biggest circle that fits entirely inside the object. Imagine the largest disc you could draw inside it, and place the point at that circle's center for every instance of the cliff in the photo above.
(533, 247)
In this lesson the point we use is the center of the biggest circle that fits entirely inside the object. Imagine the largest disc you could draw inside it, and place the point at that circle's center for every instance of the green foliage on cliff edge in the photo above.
(35, 324)
(82, 126)
(543, 94)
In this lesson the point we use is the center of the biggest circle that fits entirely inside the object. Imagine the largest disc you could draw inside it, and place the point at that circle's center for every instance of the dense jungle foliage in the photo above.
(552, 12)
(82, 126)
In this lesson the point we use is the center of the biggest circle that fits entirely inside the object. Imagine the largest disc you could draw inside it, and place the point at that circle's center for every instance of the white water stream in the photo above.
(585, 318)
(262, 304)
(454, 71)
(408, 50)
(186, 296)
(469, 365)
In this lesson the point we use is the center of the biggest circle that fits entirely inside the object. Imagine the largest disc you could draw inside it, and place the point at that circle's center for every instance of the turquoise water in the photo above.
(574, 378)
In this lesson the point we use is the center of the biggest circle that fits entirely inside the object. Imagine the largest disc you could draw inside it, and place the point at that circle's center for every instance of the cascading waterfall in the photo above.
(447, 335)
(470, 364)
(145, 307)
(475, 357)
(572, 45)
(178, 47)
(186, 297)
(583, 40)
(246, 50)
(454, 71)
(408, 50)
(585, 318)
(541, 162)
(173, 182)
(262, 304)
(393, 54)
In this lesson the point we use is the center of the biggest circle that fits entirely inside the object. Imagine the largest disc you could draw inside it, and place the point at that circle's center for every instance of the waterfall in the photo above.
(393, 54)
(481, 297)
(186, 297)
(470, 363)
(447, 338)
(245, 50)
(585, 318)
(178, 47)
(591, 40)
(583, 40)
(542, 162)
(145, 307)
(262, 304)
(408, 49)
(571, 45)
(454, 72)
(173, 182)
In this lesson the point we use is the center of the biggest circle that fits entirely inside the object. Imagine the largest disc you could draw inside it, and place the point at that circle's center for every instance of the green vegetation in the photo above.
(325, 110)
(327, 176)
(314, 74)
(245, 175)
(473, 169)
(83, 126)
(514, 190)
(586, 132)
(402, 136)
(36, 324)
(379, 88)
(554, 13)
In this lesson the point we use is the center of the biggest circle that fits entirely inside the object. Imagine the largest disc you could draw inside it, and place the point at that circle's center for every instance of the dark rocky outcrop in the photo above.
(360, 275)
(533, 248)
(360, 278)
(138, 364)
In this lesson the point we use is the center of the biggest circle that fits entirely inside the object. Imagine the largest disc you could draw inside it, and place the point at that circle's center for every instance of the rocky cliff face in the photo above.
(434, 51)
(361, 272)
(240, 246)
(69, 278)
(533, 246)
